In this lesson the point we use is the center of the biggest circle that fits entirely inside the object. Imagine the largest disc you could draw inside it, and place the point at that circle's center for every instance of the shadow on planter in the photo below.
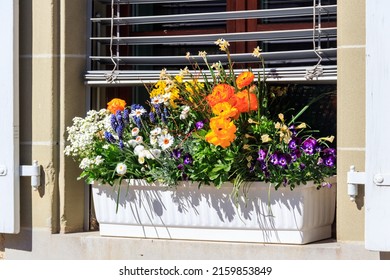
(260, 214)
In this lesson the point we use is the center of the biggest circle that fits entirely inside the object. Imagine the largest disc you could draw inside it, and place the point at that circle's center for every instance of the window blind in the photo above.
(132, 40)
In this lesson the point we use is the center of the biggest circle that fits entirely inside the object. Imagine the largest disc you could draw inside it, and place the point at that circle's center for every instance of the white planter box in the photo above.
(186, 212)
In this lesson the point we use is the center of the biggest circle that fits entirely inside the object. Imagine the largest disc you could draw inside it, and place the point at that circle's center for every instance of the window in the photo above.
(132, 40)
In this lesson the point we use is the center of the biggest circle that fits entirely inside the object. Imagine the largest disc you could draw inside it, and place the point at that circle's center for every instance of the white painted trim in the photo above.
(9, 118)
(377, 195)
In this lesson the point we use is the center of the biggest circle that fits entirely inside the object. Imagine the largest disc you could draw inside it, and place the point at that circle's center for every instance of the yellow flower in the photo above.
(256, 52)
(163, 73)
(223, 44)
(203, 54)
(329, 138)
(252, 121)
(281, 117)
(302, 125)
(265, 138)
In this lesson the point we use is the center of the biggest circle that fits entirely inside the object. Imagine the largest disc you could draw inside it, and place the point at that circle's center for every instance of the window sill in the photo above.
(92, 246)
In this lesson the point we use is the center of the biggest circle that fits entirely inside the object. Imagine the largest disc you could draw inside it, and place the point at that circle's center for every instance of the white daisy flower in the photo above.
(138, 150)
(166, 97)
(156, 131)
(137, 112)
(158, 99)
(153, 140)
(165, 141)
(121, 168)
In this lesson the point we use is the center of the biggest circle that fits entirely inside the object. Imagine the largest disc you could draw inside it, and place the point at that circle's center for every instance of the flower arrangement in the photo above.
(206, 127)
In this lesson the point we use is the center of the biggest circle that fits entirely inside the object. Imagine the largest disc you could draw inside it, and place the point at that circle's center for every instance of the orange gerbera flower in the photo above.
(220, 93)
(244, 79)
(115, 105)
(222, 132)
(246, 101)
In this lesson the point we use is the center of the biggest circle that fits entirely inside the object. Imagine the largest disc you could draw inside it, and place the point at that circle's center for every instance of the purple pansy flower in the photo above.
(176, 153)
(294, 143)
(262, 155)
(329, 160)
(187, 159)
(295, 155)
(199, 125)
(274, 159)
(293, 130)
(284, 160)
(309, 146)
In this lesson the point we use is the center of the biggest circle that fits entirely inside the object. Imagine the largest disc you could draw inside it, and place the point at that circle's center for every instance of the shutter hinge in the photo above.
(34, 171)
(354, 179)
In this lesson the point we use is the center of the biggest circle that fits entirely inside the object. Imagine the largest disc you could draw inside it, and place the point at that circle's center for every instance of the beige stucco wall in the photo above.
(350, 114)
(52, 92)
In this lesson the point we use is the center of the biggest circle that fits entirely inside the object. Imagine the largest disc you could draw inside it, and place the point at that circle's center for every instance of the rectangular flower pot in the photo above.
(300, 216)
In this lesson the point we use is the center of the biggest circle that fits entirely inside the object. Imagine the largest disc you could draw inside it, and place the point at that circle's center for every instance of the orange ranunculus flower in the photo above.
(246, 101)
(115, 105)
(222, 132)
(220, 93)
(244, 79)
(225, 109)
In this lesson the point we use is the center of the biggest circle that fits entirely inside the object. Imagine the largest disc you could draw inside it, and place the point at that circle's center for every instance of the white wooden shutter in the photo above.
(9, 118)
(377, 224)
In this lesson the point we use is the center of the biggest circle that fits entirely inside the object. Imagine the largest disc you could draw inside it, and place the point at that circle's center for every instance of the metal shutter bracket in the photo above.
(355, 178)
(33, 171)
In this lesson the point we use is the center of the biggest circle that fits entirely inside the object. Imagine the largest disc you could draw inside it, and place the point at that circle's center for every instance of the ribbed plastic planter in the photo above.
(300, 216)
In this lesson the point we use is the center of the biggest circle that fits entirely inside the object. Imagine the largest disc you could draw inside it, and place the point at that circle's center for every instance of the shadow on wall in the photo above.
(384, 255)
(2, 246)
